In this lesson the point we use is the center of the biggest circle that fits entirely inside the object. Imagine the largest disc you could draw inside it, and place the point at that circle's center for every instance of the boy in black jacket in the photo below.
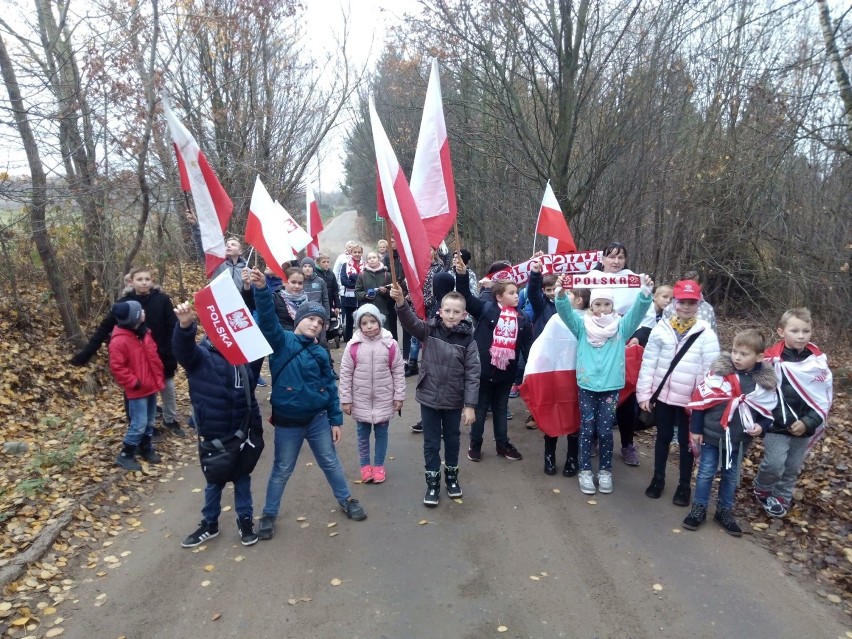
(733, 404)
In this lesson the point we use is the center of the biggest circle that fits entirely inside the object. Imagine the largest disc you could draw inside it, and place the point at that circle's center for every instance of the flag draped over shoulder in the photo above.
(551, 222)
(228, 322)
(266, 230)
(432, 182)
(213, 207)
(397, 203)
(314, 222)
(550, 380)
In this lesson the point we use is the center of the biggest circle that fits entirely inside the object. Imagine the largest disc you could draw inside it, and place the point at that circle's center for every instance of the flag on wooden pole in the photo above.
(266, 230)
(551, 222)
(314, 222)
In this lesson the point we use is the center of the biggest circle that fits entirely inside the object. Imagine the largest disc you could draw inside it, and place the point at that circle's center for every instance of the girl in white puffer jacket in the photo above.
(371, 387)
(666, 340)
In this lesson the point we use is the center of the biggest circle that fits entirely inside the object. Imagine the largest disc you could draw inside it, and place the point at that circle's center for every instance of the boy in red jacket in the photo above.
(136, 367)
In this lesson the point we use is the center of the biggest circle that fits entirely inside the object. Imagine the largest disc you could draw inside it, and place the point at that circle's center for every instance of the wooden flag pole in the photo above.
(391, 260)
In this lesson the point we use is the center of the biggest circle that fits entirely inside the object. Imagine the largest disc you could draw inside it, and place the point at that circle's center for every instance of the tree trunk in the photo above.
(840, 73)
(38, 204)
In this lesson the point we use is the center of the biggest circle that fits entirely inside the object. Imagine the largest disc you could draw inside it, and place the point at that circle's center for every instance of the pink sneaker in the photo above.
(378, 474)
(367, 474)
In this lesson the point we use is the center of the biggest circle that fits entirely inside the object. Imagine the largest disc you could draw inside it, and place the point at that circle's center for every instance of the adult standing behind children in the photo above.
(223, 403)
(349, 273)
(160, 320)
(666, 387)
(448, 386)
(136, 367)
(305, 404)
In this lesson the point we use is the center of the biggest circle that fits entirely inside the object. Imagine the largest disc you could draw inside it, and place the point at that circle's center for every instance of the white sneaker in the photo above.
(587, 482)
(605, 481)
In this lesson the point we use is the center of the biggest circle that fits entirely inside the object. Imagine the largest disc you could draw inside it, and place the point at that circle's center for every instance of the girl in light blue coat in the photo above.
(601, 338)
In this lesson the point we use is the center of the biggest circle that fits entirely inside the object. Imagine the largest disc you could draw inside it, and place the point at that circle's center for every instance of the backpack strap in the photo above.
(392, 351)
(353, 353)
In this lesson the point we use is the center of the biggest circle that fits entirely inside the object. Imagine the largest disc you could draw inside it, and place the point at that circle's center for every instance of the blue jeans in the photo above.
(288, 443)
(143, 412)
(597, 414)
(213, 499)
(496, 397)
(414, 350)
(707, 470)
(363, 429)
(439, 424)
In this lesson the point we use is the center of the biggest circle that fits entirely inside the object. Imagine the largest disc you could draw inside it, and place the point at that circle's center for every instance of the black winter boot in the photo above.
(656, 488)
(695, 517)
(572, 464)
(725, 518)
(451, 478)
(412, 369)
(549, 455)
(127, 458)
(682, 495)
(433, 488)
(147, 452)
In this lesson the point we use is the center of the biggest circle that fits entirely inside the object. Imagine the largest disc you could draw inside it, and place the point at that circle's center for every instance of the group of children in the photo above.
(715, 403)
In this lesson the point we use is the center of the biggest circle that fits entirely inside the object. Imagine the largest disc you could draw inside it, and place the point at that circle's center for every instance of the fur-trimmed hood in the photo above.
(763, 374)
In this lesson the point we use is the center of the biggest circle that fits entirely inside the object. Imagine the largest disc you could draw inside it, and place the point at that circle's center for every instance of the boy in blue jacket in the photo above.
(218, 395)
(305, 405)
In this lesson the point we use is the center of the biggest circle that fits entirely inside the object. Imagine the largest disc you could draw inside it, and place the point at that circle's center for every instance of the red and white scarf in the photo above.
(811, 379)
(505, 338)
(353, 267)
(716, 389)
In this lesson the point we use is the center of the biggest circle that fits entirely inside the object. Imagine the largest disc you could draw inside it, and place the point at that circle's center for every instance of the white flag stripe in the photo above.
(299, 237)
(274, 226)
(554, 350)
(250, 340)
(427, 177)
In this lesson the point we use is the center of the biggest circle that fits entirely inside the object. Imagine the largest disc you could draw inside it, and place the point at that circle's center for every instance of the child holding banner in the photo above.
(601, 334)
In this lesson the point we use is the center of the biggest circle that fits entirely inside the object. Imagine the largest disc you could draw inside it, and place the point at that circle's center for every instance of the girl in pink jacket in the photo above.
(371, 386)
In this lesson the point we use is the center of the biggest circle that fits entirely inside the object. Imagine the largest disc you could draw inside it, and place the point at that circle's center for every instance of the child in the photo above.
(804, 398)
(290, 297)
(693, 337)
(160, 320)
(219, 395)
(349, 272)
(373, 284)
(502, 333)
(136, 367)
(733, 404)
(323, 263)
(662, 298)
(447, 388)
(601, 334)
(304, 404)
(372, 387)
(315, 287)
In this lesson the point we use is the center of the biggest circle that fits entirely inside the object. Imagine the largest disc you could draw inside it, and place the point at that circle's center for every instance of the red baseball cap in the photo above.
(687, 290)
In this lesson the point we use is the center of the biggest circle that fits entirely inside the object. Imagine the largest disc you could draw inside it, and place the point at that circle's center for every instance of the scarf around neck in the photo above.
(380, 267)
(682, 326)
(600, 329)
(505, 337)
(293, 301)
(353, 267)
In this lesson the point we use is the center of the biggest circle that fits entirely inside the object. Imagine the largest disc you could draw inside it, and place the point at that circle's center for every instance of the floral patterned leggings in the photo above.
(597, 414)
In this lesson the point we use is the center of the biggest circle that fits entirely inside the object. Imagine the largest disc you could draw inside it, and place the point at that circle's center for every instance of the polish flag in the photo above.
(432, 182)
(395, 197)
(266, 230)
(550, 380)
(213, 207)
(228, 322)
(552, 223)
(314, 222)
(298, 237)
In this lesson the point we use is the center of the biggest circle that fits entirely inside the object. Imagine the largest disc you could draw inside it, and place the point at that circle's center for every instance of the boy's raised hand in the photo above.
(257, 278)
(397, 295)
(185, 314)
(246, 278)
(535, 266)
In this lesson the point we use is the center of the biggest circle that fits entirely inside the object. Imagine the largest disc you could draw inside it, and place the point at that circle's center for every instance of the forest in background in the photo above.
(714, 135)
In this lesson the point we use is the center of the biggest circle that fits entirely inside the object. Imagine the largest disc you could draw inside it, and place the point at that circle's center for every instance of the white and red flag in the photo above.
(266, 230)
(213, 207)
(396, 203)
(298, 236)
(228, 322)
(432, 182)
(551, 222)
(314, 222)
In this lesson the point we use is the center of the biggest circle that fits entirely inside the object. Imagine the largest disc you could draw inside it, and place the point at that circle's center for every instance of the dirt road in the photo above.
(516, 553)
(340, 230)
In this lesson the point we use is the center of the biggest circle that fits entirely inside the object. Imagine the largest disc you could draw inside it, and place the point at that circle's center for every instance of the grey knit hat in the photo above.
(309, 309)
(127, 314)
(309, 261)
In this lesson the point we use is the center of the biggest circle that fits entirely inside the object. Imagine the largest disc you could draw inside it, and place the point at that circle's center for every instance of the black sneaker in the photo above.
(174, 429)
(656, 488)
(509, 452)
(433, 488)
(774, 507)
(353, 509)
(682, 495)
(417, 428)
(150, 455)
(204, 532)
(725, 518)
(266, 527)
(157, 437)
(245, 526)
(695, 517)
(474, 452)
